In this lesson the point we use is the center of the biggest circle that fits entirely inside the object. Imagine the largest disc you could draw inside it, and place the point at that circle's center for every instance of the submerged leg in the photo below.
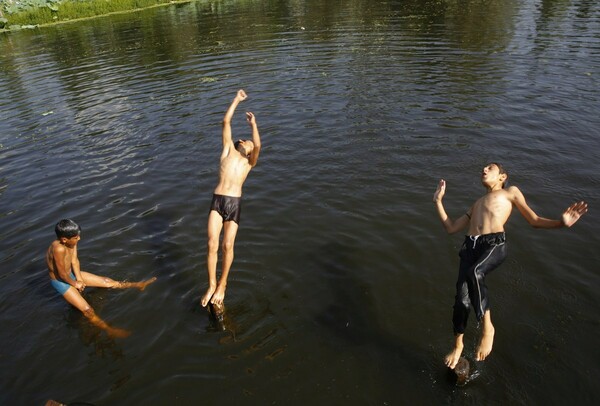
(98, 322)
(74, 298)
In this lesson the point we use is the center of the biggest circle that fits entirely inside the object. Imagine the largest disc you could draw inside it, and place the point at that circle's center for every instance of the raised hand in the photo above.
(573, 213)
(241, 95)
(441, 190)
(250, 118)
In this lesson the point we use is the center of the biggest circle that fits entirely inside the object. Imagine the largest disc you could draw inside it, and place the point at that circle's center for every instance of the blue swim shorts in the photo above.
(61, 287)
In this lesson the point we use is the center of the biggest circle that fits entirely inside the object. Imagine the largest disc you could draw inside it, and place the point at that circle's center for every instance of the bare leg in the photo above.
(139, 285)
(229, 234)
(452, 358)
(98, 322)
(215, 225)
(74, 298)
(97, 281)
(487, 337)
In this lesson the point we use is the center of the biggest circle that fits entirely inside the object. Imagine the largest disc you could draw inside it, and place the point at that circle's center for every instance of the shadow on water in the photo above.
(221, 320)
(351, 318)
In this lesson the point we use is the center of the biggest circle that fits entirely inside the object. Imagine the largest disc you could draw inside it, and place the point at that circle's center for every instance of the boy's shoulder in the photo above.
(57, 247)
(513, 191)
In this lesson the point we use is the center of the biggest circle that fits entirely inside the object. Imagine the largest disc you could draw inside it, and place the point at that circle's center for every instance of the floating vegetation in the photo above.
(15, 14)
(208, 79)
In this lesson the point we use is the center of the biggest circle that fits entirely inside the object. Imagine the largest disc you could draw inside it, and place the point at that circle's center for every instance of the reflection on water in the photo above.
(343, 281)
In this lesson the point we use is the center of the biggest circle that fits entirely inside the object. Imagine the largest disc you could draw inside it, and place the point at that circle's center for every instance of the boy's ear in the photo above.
(62, 240)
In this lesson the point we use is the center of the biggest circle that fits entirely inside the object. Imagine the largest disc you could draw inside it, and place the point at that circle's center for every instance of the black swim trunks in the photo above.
(479, 256)
(228, 207)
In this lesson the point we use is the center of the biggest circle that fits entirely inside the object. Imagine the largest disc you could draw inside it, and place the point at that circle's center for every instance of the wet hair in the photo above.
(501, 171)
(67, 228)
(236, 144)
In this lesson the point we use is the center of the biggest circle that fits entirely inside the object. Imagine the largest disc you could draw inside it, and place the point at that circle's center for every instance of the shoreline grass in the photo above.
(72, 11)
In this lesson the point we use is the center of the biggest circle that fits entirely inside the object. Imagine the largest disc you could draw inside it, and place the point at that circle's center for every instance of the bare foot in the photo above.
(207, 296)
(452, 358)
(218, 296)
(117, 332)
(142, 285)
(485, 346)
(139, 285)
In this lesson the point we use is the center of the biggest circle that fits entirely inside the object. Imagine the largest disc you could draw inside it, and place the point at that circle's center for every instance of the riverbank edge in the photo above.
(79, 19)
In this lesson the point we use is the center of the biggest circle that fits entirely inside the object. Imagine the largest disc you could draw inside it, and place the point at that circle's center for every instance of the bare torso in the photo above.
(490, 212)
(233, 170)
(57, 247)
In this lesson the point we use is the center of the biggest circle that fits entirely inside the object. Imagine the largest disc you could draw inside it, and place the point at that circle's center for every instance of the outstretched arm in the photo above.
(240, 96)
(255, 139)
(449, 225)
(569, 217)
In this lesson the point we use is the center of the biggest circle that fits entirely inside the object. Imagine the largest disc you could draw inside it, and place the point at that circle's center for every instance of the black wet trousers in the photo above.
(479, 256)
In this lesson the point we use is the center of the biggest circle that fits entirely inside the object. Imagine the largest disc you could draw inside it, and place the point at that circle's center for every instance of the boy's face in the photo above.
(245, 147)
(70, 242)
(490, 175)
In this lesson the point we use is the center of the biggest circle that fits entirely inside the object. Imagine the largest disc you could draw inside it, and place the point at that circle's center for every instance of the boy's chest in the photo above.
(493, 204)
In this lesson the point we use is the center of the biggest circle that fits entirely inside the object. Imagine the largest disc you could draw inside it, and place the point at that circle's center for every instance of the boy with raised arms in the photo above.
(237, 159)
(484, 249)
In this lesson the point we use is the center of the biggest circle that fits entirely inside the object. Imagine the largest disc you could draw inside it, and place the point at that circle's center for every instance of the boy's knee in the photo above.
(227, 246)
(213, 245)
(89, 312)
(110, 283)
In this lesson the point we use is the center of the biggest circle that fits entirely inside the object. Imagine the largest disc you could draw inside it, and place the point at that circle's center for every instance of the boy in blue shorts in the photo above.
(70, 281)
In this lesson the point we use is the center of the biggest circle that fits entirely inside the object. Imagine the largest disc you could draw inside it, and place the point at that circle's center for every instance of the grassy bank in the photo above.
(15, 14)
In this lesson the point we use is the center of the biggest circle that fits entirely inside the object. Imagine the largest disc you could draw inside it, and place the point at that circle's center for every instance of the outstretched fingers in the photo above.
(574, 212)
(580, 207)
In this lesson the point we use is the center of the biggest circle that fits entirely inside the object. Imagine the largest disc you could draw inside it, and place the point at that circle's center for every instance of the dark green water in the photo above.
(343, 282)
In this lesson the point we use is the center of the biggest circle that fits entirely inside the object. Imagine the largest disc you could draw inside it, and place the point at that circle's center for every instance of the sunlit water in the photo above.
(343, 280)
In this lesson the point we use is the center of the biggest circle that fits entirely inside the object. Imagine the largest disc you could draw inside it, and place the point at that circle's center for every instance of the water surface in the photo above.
(343, 281)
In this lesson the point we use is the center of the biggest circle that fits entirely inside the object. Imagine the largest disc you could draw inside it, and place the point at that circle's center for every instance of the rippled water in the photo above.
(343, 280)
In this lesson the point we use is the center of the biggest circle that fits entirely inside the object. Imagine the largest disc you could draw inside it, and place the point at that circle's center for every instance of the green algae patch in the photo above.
(17, 14)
